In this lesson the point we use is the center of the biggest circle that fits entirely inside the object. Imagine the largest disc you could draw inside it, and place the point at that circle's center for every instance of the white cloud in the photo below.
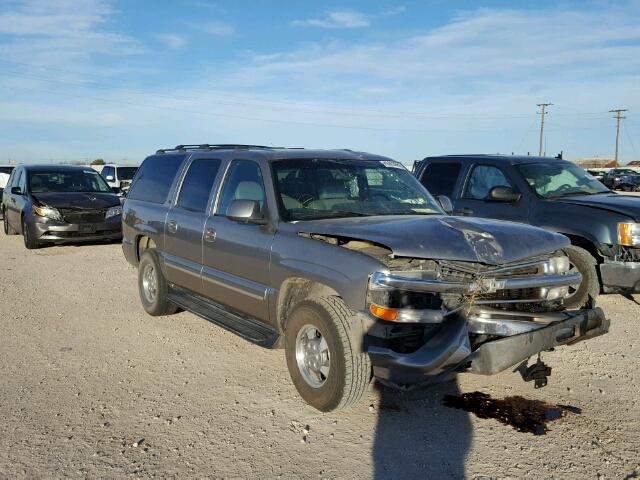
(172, 40)
(60, 32)
(336, 19)
(220, 29)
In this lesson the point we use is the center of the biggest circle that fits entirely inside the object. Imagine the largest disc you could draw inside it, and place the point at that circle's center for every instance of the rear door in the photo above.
(236, 254)
(472, 198)
(185, 222)
(17, 202)
(441, 177)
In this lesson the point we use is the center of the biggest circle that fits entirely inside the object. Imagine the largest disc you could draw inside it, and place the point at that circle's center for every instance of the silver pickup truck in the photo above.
(344, 260)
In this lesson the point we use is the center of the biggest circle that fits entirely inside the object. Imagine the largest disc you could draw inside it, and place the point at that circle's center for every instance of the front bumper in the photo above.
(46, 230)
(620, 277)
(450, 350)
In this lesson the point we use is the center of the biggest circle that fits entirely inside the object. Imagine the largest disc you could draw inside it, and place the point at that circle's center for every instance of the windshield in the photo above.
(126, 173)
(67, 181)
(558, 179)
(311, 189)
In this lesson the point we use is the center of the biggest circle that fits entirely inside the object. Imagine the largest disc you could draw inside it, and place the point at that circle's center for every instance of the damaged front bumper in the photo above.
(620, 277)
(450, 349)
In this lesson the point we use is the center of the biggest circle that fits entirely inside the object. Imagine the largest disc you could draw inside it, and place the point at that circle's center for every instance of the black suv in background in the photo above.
(58, 204)
(557, 195)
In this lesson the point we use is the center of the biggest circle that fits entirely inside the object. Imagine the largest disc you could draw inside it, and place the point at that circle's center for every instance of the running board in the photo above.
(248, 328)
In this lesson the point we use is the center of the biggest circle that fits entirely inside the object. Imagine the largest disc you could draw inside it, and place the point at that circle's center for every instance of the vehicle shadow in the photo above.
(418, 437)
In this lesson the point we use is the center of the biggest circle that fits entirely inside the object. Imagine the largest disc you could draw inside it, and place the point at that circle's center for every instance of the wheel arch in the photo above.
(295, 290)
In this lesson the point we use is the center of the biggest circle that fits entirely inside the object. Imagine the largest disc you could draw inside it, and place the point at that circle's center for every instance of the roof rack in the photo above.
(208, 147)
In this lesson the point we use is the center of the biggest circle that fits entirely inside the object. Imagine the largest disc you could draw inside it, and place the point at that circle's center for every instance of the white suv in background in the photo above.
(118, 176)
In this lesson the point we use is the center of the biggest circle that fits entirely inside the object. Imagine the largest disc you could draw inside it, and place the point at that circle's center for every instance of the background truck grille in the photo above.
(83, 216)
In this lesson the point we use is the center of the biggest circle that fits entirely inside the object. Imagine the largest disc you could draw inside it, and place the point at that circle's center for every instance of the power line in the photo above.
(618, 116)
(542, 113)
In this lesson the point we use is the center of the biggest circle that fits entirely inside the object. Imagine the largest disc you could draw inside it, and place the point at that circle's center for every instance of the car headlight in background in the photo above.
(629, 234)
(113, 211)
(48, 212)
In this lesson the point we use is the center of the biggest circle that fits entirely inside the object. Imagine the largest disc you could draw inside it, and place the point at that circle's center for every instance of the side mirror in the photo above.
(445, 203)
(116, 190)
(503, 194)
(16, 191)
(245, 211)
(110, 178)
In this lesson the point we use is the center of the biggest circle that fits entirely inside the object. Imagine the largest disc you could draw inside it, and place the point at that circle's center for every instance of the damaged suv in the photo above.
(344, 260)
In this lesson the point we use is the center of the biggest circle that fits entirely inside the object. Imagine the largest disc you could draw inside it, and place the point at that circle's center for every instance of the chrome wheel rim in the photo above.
(149, 283)
(313, 356)
(572, 290)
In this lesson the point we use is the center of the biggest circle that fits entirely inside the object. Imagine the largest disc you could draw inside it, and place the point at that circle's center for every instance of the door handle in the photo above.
(172, 226)
(465, 212)
(210, 235)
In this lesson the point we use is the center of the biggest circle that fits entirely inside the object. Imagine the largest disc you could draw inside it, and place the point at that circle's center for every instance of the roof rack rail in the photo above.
(207, 147)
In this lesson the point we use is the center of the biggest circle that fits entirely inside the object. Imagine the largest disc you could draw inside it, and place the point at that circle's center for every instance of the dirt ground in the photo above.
(90, 386)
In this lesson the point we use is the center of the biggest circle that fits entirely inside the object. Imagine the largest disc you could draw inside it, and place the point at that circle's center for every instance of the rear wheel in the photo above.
(327, 369)
(29, 239)
(583, 262)
(152, 286)
(8, 229)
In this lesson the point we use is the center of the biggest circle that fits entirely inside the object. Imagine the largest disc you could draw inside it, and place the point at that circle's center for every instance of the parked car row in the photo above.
(349, 263)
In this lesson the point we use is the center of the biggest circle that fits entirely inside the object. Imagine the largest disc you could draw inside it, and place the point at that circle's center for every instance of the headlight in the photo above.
(557, 265)
(629, 234)
(48, 212)
(555, 293)
(113, 211)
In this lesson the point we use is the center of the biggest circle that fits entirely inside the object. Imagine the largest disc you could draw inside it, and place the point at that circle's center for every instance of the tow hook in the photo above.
(538, 372)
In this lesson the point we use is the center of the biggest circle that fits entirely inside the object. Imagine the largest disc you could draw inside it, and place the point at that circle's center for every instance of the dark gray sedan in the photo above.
(58, 204)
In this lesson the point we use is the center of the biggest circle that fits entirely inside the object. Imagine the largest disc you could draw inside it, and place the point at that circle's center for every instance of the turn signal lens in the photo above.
(384, 313)
(629, 234)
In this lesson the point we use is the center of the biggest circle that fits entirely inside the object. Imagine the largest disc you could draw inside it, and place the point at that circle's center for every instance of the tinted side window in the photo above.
(440, 178)
(197, 184)
(483, 178)
(106, 171)
(154, 179)
(243, 182)
(21, 181)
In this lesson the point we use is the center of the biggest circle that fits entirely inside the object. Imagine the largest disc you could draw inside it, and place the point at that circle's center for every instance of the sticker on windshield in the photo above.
(392, 164)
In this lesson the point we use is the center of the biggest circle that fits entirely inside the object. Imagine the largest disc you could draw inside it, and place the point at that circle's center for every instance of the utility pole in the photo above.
(618, 116)
(542, 113)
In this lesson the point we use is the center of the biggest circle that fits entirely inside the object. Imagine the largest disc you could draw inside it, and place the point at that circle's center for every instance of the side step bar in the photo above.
(248, 328)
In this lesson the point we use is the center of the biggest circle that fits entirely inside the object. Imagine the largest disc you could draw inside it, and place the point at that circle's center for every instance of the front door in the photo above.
(236, 254)
(473, 199)
(185, 222)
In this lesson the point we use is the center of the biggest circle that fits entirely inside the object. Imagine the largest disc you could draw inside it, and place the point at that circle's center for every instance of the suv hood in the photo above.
(612, 202)
(78, 200)
(464, 239)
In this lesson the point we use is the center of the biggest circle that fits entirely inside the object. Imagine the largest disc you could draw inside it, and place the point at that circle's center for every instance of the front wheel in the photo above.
(583, 262)
(30, 242)
(328, 370)
(152, 286)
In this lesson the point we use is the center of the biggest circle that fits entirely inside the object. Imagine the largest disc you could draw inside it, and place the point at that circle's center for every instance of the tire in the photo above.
(8, 229)
(153, 296)
(29, 241)
(349, 370)
(584, 262)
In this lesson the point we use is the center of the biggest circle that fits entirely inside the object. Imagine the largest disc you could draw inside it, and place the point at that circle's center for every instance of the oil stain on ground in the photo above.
(528, 416)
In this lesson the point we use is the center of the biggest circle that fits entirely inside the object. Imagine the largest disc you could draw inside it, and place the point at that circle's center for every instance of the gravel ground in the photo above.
(90, 386)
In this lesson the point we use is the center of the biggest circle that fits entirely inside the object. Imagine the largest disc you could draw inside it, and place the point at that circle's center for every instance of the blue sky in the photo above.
(118, 79)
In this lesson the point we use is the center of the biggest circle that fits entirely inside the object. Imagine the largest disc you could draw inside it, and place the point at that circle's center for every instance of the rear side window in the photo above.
(154, 179)
(441, 178)
(197, 184)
